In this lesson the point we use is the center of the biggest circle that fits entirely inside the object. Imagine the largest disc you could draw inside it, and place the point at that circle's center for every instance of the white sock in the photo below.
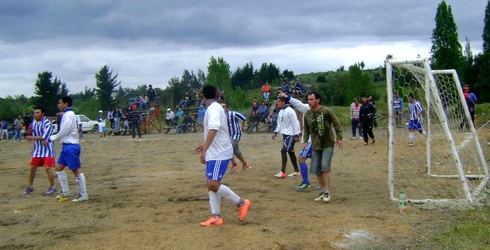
(228, 194)
(63, 180)
(214, 203)
(424, 133)
(81, 185)
(410, 137)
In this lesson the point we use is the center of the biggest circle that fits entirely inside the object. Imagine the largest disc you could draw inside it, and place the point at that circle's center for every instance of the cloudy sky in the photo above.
(151, 41)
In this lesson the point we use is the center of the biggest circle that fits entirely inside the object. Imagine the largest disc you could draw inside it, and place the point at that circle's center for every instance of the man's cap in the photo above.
(168, 109)
(100, 111)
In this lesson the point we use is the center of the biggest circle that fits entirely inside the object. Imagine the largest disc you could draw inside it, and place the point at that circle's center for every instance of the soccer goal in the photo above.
(446, 162)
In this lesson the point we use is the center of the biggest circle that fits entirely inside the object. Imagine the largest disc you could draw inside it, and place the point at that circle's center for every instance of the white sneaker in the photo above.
(320, 198)
(80, 199)
(294, 174)
(360, 138)
(280, 175)
(353, 138)
(326, 197)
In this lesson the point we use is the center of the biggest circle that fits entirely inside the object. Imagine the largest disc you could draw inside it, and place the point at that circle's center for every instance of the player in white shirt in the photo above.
(216, 153)
(70, 151)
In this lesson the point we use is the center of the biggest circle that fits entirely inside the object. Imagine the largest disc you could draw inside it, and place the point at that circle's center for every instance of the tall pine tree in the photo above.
(48, 92)
(483, 62)
(446, 51)
(106, 85)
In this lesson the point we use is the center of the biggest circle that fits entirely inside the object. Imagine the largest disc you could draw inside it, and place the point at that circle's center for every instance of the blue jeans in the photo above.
(18, 134)
(356, 126)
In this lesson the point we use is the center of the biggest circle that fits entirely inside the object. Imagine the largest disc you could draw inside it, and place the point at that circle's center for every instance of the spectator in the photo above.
(184, 103)
(266, 90)
(366, 115)
(470, 101)
(140, 101)
(197, 97)
(398, 109)
(4, 126)
(102, 127)
(371, 100)
(27, 118)
(151, 93)
(273, 119)
(185, 125)
(298, 89)
(285, 87)
(253, 122)
(178, 114)
(110, 117)
(135, 118)
(355, 109)
(117, 114)
(200, 114)
(255, 104)
(168, 117)
(18, 123)
(263, 112)
(126, 123)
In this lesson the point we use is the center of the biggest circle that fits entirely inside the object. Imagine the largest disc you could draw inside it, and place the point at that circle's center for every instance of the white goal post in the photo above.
(444, 161)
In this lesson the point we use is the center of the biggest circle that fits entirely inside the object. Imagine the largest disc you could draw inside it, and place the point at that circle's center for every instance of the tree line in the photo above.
(338, 87)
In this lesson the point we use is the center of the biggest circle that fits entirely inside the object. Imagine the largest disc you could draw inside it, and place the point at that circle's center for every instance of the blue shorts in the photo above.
(288, 143)
(321, 161)
(415, 125)
(306, 152)
(70, 156)
(215, 170)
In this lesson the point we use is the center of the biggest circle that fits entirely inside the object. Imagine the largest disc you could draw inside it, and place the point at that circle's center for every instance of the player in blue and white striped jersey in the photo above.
(42, 155)
(415, 123)
(236, 124)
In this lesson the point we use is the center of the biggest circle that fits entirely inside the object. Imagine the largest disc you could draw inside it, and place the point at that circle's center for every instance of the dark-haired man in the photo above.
(70, 152)
(319, 121)
(216, 153)
(42, 155)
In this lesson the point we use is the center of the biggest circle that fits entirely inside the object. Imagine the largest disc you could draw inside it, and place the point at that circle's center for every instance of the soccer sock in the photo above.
(214, 203)
(304, 172)
(81, 185)
(284, 161)
(228, 194)
(294, 161)
(410, 137)
(63, 180)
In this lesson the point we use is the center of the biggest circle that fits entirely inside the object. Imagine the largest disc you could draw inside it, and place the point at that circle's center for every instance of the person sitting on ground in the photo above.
(185, 125)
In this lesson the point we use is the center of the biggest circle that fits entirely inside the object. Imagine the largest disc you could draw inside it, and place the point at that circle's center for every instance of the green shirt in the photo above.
(319, 125)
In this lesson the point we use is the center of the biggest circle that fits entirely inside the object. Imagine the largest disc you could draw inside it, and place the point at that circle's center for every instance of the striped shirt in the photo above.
(234, 120)
(44, 129)
(415, 107)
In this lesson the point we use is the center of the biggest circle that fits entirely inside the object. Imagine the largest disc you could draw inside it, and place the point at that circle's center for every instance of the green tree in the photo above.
(482, 62)
(446, 51)
(219, 74)
(470, 70)
(106, 84)
(47, 92)
(358, 83)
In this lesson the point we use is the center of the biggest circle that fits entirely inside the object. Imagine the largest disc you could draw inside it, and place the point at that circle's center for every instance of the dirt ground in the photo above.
(151, 194)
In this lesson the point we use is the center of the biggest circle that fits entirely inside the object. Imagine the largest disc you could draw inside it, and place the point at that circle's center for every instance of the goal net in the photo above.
(441, 160)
